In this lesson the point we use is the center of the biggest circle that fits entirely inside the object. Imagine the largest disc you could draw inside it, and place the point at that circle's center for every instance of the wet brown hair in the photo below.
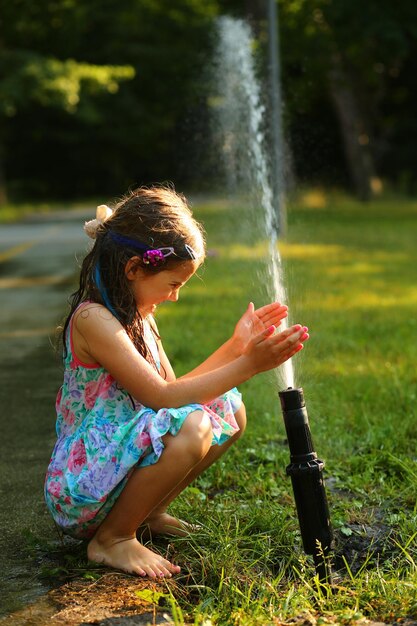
(155, 216)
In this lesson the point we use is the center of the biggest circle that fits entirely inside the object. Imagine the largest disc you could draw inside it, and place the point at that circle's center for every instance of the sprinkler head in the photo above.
(296, 424)
(292, 399)
(306, 471)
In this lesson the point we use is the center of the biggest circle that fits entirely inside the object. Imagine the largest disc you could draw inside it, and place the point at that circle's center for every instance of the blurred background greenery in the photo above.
(99, 95)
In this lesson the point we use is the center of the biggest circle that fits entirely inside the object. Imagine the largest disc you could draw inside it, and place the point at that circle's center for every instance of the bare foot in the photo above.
(130, 556)
(165, 524)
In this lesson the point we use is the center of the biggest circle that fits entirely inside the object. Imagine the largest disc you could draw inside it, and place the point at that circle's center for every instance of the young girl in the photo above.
(132, 436)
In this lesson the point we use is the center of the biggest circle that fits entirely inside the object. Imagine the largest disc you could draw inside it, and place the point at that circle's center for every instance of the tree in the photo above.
(109, 142)
(352, 54)
(28, 77)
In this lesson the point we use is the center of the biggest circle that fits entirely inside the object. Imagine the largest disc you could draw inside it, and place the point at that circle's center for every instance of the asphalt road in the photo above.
(39, 261)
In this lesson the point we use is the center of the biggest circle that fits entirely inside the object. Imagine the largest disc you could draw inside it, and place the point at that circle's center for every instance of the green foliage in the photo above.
(30, 78)
(70, 57)
(375, 46)
(129, 79)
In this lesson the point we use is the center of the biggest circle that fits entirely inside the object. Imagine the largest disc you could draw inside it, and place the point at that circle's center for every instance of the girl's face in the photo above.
(152, 289)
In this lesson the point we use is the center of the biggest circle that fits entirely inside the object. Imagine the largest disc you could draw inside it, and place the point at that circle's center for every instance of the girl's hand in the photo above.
(267, 351)
(252, 323)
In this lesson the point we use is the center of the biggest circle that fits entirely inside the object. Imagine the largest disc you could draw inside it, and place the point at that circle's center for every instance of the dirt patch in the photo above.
(112, 596)
(364, 540)
(113, 599)
(361, 545)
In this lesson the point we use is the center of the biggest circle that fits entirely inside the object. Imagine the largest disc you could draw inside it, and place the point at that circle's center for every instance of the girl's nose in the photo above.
(174, 296)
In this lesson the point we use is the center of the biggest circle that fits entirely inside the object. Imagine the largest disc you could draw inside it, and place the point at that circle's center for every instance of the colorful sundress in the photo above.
(103, 433)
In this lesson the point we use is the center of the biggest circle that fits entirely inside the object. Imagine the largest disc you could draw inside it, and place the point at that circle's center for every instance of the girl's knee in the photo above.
(197, 423)
(196, 434)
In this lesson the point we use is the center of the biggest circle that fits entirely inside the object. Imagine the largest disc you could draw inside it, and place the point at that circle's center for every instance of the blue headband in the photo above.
(150, 255)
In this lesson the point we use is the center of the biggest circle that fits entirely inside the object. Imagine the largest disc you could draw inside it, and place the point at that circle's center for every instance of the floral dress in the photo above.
(103, 433)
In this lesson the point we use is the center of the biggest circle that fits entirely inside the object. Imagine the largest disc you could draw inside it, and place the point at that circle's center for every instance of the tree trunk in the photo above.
(256, 14)
(3, 190)
(355, 134)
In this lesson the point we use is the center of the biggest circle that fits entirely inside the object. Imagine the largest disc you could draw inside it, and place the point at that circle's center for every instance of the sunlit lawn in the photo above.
(14, 211)
(351, 275)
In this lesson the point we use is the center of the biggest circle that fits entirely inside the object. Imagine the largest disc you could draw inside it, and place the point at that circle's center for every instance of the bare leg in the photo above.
(159, 521)
(115, 542)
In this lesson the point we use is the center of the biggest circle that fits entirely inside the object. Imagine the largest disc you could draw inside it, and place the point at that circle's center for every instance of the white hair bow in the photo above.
(103, 212)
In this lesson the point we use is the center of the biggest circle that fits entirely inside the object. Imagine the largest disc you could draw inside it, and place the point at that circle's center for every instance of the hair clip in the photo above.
(191, 252)
(103, 212)
(156, 256)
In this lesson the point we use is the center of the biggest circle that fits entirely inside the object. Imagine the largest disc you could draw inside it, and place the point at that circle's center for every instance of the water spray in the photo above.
(306, 472)
(241, 118)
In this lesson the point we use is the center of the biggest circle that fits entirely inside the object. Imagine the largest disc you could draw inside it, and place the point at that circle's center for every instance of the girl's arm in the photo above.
(250, 324)
(103, 339)
(225, 354)
(248, 327)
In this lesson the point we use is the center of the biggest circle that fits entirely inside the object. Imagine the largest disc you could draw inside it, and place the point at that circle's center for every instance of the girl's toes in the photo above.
(165, 572)
(150, 571)
(173, 569)
(139, 571)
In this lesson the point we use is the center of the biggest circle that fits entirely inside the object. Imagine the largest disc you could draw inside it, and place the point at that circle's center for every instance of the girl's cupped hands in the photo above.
(255, 321)
(269, 349)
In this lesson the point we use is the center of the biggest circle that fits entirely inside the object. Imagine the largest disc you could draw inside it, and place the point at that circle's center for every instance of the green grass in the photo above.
(351, 274)
(16, 211)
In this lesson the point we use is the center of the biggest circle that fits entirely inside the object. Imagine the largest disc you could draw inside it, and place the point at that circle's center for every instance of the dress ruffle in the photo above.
(221, 412)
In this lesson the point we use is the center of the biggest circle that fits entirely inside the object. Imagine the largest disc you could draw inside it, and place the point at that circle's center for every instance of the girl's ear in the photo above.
(132, 267)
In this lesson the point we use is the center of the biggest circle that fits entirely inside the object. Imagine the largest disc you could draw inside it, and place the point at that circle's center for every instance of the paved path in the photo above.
(37, 259)
(38, 269)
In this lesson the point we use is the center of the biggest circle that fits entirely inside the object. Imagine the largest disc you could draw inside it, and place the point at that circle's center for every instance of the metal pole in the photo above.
(276, 119)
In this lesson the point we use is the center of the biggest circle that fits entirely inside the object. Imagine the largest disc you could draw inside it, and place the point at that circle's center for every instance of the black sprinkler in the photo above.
(306, 472)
